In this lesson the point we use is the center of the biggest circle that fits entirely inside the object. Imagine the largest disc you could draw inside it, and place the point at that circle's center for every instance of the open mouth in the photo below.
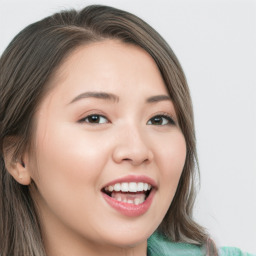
(129, 192)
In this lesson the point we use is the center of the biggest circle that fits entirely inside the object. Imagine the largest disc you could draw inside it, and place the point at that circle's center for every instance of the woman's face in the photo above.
(108, 150)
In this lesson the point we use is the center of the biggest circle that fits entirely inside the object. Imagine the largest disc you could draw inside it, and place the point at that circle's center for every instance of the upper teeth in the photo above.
(129, 187)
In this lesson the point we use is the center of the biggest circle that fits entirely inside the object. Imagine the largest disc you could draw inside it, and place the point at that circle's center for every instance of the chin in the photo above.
(129, 239)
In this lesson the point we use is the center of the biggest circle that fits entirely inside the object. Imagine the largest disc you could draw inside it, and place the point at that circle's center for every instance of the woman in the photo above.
(97, 141)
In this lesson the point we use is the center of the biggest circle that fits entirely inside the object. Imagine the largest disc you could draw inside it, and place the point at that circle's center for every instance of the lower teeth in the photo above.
(135, 199)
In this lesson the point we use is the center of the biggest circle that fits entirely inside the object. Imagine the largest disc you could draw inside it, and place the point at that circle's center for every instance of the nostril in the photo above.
(135, 160)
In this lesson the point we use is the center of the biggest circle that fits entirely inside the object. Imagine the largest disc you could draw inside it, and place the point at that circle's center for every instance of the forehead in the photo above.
(109, 65)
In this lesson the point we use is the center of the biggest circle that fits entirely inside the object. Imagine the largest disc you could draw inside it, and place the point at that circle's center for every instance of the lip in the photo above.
(130, 210)
(127, 209)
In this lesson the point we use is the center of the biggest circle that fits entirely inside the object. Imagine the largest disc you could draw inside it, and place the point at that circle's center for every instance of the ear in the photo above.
(19, 172)
(17, 167)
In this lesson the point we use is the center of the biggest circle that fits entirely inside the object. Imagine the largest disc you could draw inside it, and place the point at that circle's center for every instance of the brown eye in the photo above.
(94, 119)
(160, 120)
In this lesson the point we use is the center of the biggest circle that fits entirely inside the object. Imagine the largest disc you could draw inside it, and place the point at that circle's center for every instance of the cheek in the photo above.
(69, 166)
(172, 154)
(71, 159)
(172, 157)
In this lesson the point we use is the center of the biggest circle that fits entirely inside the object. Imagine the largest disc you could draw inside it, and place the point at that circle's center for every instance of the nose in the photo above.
(132, 146)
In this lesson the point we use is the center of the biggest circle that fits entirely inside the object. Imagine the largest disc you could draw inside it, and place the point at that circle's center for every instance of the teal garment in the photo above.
(160, 246)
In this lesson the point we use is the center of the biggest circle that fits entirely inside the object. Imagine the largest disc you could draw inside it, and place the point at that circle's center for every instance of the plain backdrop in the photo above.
(215, 42)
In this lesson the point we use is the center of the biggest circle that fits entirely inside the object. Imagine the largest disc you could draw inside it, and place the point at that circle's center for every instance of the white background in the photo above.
(215, 42)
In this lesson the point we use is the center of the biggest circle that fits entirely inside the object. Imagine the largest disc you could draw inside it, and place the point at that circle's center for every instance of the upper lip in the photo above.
(132, 178)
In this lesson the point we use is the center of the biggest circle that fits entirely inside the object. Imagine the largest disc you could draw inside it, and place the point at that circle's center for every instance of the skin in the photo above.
(74, 158)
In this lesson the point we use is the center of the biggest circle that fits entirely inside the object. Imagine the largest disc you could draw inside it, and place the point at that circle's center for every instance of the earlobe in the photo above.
(22, 173)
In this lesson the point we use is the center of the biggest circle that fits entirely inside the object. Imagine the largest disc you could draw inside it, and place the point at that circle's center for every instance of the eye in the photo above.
(94, 119)
(161, 120)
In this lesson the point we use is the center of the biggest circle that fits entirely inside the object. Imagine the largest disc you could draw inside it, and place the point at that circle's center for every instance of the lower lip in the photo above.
(130, 210)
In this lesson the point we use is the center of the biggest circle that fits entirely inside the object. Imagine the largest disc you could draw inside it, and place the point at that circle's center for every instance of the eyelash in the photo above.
(83, 120)
(166, 116)
(99, 117)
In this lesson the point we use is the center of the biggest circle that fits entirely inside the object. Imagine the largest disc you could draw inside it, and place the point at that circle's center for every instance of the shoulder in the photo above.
(231, 251)
(159, 245)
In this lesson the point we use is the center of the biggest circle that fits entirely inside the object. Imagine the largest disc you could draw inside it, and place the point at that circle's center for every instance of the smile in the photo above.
(130, 198)
(131, 193)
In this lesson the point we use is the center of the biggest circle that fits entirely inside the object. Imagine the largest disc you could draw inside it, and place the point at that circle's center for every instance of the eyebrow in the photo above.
(158, 98)
(115, 98)
(97, 95)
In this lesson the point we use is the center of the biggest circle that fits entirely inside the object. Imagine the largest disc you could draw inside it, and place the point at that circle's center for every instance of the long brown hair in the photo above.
(26, 67)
